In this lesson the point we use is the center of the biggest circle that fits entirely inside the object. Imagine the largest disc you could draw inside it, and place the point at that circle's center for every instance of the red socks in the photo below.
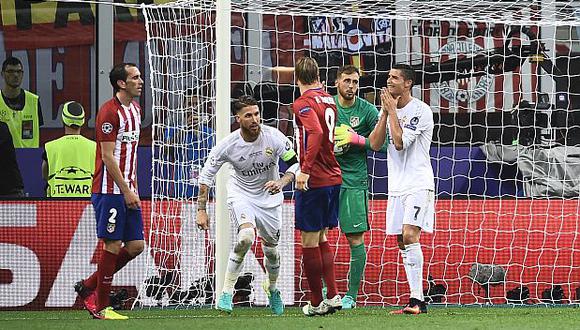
(313, 269)
(105, 271)
(122, 259)
(328, 269)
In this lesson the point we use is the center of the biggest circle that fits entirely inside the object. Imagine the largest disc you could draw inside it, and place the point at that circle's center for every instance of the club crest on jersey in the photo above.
(107, 128)
(269, 151)
(354, 121)
(110, 227)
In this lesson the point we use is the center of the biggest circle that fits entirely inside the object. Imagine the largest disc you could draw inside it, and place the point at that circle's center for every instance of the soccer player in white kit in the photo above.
(411, 204)
(254, 194)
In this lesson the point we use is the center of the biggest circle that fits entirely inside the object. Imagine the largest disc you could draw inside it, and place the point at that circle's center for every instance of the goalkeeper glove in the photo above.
(344, 134)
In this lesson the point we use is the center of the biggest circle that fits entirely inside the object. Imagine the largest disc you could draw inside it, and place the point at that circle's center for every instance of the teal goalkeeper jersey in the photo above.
(362, 117)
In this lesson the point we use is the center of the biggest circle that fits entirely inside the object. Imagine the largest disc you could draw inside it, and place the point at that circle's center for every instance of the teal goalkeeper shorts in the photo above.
(353, 210)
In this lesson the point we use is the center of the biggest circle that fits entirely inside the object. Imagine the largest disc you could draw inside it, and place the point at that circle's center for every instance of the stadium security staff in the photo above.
(68, 163)
(19, 108)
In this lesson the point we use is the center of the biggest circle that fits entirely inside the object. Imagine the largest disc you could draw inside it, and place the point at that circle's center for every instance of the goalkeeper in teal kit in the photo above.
(356, 120)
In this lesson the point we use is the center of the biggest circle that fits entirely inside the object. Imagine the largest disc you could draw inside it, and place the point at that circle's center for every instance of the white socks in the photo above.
(246, 238)
(272, 264)
(413, 261)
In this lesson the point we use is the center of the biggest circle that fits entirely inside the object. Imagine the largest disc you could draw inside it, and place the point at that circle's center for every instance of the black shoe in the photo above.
(81, 290)
(416, 302)
(423, 307)
(88, 298)
(414, 307)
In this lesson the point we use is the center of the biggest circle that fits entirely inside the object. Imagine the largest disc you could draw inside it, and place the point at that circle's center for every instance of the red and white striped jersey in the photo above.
(120, 124)
(315, 118)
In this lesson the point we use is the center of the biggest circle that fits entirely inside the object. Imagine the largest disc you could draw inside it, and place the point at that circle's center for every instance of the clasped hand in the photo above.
(343, 135)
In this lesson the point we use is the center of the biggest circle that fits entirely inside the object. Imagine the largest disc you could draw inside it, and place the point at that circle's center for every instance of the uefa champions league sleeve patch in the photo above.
(304, 110)
(107, 128)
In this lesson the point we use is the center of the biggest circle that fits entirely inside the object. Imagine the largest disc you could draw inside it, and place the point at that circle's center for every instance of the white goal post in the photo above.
(501, 78)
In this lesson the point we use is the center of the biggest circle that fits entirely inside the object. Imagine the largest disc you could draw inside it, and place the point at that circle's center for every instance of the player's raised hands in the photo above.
(388, 102)
(202, 220)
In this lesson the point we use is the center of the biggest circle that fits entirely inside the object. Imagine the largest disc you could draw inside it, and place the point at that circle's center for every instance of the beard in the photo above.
(347, 96)
(251, 132)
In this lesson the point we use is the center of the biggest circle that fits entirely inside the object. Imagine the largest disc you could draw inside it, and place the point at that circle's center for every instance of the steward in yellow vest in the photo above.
(19, 108)
(68, 162)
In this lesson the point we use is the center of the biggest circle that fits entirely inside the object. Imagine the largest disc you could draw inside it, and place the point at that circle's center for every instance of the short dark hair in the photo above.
(119, 72)
(347, 69)
(242, 102)
(10, 61)
(407, 71)
(306, 70)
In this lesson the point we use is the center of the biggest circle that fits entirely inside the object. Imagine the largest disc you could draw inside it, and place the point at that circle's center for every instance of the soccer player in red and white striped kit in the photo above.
(114, 194)
(318, 185)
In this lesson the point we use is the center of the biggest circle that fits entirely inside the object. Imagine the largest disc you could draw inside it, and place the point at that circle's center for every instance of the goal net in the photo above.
(502, 80)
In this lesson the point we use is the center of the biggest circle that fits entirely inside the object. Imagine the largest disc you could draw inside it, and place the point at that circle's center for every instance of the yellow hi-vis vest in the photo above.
(24, 124)
(71, 166)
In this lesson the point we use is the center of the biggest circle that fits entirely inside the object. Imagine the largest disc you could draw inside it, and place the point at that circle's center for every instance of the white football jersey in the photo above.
(252, 165)
(410, 169)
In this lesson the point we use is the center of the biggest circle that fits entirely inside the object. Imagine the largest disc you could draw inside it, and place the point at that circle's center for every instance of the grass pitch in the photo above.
(260, 318)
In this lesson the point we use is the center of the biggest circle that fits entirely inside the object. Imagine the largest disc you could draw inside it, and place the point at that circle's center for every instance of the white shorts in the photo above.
(417, 209)
(266, 220)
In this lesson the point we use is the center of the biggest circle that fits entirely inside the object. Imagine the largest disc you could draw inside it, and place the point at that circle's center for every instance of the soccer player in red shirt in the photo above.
(317, 184)
(115, 196)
